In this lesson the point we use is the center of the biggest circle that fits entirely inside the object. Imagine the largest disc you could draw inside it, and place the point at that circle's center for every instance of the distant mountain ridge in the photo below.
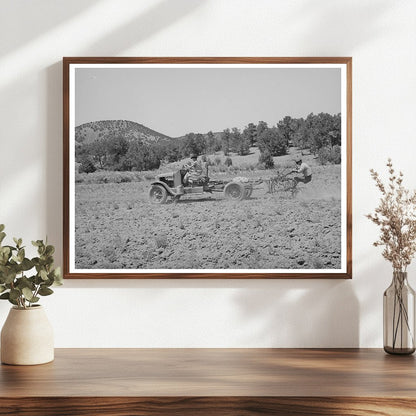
(99, 130)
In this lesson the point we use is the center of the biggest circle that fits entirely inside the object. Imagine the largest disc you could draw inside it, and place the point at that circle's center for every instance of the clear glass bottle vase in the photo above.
(399, 316)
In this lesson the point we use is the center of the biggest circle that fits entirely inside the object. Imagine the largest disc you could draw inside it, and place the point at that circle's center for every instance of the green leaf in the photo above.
(24, 282)
(21, 255)
(3, 258)
(49, 250)
(7, 297)
(43, 274)
(56, 272)
(27, 293)
(26, 264)
(15, 294)
(2, 236)
(58, 280)
(47, 260)
(45, 291)
(38, 280)
(48, 282)
(5, 250)
(13, 302)
(37, 243)
(9, 277)
(2, 227)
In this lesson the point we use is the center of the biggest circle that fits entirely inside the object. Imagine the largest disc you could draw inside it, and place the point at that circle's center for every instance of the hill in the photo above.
(98, 130)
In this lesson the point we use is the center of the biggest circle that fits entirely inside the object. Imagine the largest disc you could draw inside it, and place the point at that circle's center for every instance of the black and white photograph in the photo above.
(207, 168)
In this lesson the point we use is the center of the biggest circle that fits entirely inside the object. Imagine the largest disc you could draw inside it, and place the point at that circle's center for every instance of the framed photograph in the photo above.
(207, 168)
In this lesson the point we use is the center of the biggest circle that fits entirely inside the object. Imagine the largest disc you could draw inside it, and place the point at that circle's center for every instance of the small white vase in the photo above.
(27, 337)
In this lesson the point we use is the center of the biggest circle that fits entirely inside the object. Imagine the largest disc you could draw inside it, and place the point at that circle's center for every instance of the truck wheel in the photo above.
(234, 191)
(158, 194)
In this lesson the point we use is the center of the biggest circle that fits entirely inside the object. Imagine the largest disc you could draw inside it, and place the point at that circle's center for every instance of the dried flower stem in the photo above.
(396, 217)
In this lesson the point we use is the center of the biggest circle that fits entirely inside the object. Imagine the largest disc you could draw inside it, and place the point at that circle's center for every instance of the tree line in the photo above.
(319, 133)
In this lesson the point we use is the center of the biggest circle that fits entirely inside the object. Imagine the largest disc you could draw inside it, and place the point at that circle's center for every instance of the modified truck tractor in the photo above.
(171, 186)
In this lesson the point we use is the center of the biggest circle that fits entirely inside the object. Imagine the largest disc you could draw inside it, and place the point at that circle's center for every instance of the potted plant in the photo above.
(396, 217)
(27, 336)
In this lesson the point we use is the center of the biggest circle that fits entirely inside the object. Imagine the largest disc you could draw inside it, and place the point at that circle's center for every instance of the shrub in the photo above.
(266, 159)
(324, 155)
(329, 155)
(86, 165)
(336, 154)
(228, 162)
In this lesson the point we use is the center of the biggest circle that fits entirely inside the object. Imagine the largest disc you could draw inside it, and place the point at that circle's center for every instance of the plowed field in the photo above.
(118, 228)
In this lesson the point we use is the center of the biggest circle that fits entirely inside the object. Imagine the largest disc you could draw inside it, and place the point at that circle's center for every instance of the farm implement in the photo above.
(282, 182)
(171, 186)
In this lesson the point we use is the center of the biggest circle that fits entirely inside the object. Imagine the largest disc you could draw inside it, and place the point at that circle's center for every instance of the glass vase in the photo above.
(399, 316)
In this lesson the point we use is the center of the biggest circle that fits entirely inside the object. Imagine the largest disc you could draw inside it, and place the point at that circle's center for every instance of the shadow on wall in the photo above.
(301, 313)
(37, 17)
(338, 19)
(157, 18)
(54, 146)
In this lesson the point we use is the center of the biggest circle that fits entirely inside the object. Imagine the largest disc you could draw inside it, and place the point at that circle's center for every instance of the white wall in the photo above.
(380, 35)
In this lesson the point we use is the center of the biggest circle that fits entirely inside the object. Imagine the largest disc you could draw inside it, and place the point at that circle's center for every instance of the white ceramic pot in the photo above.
(27, 337)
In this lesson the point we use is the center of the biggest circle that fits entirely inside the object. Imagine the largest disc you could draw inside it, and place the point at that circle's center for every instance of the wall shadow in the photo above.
(311, 16)
(302, 314)
(38, 18)
(54, 145)
(155, 19)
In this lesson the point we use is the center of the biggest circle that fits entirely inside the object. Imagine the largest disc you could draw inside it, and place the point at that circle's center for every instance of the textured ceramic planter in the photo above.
(27, 337)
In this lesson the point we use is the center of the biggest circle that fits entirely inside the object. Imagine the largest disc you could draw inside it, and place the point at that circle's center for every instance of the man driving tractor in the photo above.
(194, 171)
(304, 169)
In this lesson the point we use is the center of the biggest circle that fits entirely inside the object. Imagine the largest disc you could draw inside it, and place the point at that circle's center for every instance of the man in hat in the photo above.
(304, 169)
(194, 170)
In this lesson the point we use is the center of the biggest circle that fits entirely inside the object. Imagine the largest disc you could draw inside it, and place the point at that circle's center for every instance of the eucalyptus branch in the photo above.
(24, 280)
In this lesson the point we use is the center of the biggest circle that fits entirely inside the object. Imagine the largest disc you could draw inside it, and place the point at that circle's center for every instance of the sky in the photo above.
(177, 101)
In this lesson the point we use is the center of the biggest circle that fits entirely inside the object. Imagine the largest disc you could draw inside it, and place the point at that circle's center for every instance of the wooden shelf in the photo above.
(212, 382)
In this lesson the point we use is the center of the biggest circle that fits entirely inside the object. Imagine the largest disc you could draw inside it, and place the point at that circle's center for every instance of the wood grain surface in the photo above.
(212, 381)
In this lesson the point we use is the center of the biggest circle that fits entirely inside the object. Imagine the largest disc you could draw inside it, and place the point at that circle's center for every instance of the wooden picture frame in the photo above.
(111, 231)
